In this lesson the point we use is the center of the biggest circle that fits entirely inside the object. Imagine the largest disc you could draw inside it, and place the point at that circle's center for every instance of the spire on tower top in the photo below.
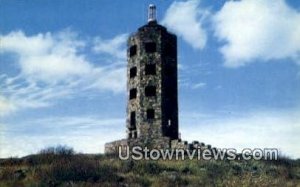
(151, 13)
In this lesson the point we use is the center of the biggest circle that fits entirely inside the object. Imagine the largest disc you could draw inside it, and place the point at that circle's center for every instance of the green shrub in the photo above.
(49, 155)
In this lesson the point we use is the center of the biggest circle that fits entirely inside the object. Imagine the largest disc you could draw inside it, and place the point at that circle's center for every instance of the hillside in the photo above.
(51, 169)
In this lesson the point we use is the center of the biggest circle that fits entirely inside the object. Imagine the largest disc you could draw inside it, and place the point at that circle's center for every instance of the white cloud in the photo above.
(185, 19)
(253, 130)
(52, 67)
(23, 94)
(6, 106)
(111, 79)
(47, 57)
(115, 46)
(199, 85)
(88, 134)
(258, 29)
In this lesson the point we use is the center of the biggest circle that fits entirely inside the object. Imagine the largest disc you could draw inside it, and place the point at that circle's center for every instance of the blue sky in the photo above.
(63, 64)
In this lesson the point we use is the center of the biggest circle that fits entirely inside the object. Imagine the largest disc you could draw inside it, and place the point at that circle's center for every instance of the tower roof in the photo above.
(152, 25)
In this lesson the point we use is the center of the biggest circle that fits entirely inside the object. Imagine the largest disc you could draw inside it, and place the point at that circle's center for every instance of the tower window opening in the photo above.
(130, 134)
(169, 122)
(150, 69)
(133, 72)
(132, 93)
(132, 120)
(150, 91)
(150, 114)
(170, 50)
(150, 47)
(132, 50)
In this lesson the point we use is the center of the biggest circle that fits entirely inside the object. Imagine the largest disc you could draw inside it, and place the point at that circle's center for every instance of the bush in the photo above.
(49, 155)
(58, 150)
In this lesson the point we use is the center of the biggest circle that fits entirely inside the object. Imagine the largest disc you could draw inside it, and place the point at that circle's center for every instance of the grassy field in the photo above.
(65, 168)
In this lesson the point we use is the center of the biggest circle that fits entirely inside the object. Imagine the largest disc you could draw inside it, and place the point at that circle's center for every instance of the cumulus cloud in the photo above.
(47, 57)
(257, 30)
(185, 19)
(251, 30)
(52, 66)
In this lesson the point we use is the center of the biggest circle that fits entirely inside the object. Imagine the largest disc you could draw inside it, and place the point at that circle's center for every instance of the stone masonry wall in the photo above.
(165, 105)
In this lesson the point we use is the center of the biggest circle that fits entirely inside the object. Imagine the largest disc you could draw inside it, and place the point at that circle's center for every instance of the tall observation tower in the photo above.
(152, 102)
(152, 109)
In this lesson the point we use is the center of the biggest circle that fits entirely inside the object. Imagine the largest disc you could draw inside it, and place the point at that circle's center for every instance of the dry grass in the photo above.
(69, 169)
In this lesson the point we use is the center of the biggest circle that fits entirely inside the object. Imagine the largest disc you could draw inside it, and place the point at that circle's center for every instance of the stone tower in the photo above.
(152, 102)
(152, 108)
